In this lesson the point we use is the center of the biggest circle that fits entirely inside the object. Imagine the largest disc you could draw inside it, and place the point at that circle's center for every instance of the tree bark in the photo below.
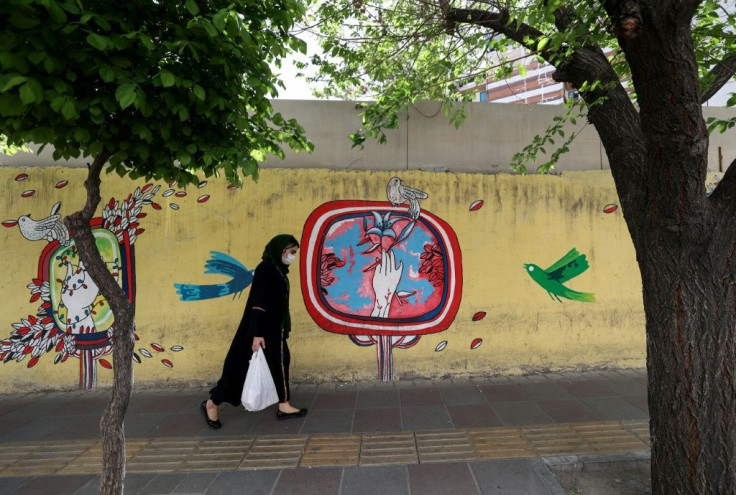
(686, 250)
(111, 423)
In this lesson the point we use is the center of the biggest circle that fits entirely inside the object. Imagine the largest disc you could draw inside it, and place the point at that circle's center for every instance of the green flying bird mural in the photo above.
(566, 268)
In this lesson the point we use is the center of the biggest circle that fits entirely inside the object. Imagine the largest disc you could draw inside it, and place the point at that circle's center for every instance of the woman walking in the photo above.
(266, 323)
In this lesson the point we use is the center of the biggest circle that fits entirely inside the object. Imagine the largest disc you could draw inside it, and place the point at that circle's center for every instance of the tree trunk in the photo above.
(111, 423)
(686, 250)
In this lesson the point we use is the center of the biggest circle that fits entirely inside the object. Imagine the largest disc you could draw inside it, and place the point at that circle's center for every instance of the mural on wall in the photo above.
(381, 273)
(554, 277)
(219, 264)
(74, 320)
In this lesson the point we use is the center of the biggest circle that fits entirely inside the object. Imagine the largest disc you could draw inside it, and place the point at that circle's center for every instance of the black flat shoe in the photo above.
(212, 424)
(298, 414)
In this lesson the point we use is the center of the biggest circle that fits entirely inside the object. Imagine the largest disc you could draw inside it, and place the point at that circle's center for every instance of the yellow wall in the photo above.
(531, 219)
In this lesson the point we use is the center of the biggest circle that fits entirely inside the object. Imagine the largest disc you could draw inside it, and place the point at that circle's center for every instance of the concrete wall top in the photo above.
(425, 140)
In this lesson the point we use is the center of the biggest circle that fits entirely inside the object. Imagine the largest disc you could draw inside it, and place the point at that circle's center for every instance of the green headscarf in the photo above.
(273, 252)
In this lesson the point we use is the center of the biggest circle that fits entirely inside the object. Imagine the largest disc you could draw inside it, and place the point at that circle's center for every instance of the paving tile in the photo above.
(521, 413)
(375, 481)
(546, 390)
(442, 479)
(639, 401)
(10, 484)
(371, 399)
(425, 418)
(317, 481)
(8, 426)
(83, 406)
(194, 482)
(444, 446)
(567, 411)
(335, 400)
(388, 449)
(508, 477)
(586, 388)
(32, 431)
(511, 392)
(461, 396)
(328, 421)
(376, 420)
(267, 424)
(181, 425)
(76, 428)
(142, 425)
(473, 416)
(615, 408)
(243, 482)
(62, 485)
(275, 452)
(331, 450)
(162, 483)
(420, 397)
(627, 386)
(497, 443)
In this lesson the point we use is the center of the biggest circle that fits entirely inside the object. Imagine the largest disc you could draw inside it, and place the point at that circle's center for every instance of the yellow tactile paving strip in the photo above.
(162, 455)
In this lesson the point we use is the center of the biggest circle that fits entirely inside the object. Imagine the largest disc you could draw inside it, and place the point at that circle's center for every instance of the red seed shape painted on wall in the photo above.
(180, 194)
(10, 223)
(146, 187)
(476, 205)
(156, 206)
(203, 198)
(61, 183)
(28, 193)
(21, 177)
(479, 315)
(232, 187)
(610, 208)
(105, 364)
(476, 343)
(157, 347)
(33, 362)
(167, 363)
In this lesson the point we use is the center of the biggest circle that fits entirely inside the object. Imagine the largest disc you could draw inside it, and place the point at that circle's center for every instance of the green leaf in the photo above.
(97, 41)
(56, 13)
(69, 110)
(167, 78)
(191, 6)
(199, 92)
(10, 80)
(31, 92)
(107, 73)
(125, 95)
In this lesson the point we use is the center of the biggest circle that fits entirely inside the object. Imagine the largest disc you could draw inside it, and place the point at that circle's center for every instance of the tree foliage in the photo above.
(397, 52)
(166, 89)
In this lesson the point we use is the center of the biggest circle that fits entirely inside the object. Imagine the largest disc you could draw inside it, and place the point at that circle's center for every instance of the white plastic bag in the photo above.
(259, 391)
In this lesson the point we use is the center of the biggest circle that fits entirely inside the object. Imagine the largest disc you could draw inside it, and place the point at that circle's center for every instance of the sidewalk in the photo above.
(498, 435)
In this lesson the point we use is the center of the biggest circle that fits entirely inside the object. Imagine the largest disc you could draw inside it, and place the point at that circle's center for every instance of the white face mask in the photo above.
(288, 259)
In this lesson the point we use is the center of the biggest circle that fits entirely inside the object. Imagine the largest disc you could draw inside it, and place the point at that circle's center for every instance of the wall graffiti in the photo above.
(554, 277)
(379, 273)
(74, 320)
(219, 264)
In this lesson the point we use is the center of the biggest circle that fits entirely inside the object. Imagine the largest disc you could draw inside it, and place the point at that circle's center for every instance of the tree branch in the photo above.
(725, 193)
(497, 21)
(722, 73)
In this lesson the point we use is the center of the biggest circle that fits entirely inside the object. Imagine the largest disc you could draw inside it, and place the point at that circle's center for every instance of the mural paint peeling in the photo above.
(566, 268)
(74, 320)
(220, 264)
(380, 274)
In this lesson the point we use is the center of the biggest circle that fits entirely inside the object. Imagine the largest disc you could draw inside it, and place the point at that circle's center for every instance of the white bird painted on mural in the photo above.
(398, 194)
(49, 228)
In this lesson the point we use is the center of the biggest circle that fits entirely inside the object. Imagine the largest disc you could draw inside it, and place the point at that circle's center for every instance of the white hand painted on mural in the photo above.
(49, 228)
(398, 193)
(386, 278)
